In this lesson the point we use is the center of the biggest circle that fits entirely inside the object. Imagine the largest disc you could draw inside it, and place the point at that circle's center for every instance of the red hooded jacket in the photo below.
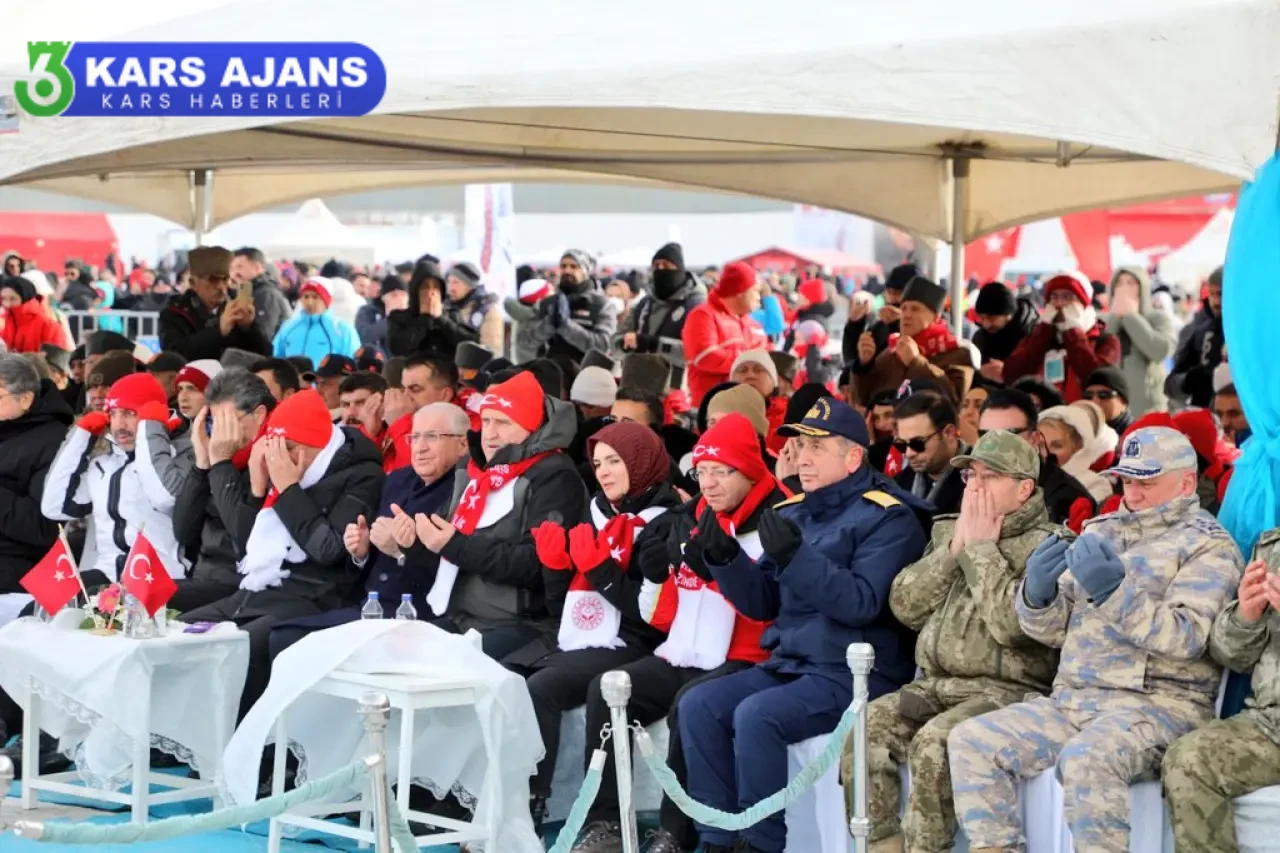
(713, 338)
(29, 325)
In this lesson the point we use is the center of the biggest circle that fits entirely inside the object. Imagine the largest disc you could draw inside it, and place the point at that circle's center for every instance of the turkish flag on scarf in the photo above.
(589, 620)
(145, 576)
(52, 581)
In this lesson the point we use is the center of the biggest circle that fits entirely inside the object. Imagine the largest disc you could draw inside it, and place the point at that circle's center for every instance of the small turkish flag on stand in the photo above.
(145, 576)
(53, 581)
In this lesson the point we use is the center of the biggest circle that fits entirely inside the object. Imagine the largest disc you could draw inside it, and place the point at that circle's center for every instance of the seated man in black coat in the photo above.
(308, 480)
(386, 556)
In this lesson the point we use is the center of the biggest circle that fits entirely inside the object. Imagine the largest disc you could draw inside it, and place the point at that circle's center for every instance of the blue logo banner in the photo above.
(205, 79)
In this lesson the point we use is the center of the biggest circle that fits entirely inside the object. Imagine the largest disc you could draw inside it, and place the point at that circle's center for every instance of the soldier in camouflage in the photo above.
(1131, 603)
(1205, 770)
(974, 656)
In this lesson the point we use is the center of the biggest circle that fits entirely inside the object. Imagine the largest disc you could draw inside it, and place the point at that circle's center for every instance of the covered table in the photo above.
(109, 700)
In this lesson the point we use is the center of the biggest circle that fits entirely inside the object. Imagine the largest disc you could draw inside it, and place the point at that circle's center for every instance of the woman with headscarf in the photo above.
(1078, 437)
(27, 325)
(593, 583)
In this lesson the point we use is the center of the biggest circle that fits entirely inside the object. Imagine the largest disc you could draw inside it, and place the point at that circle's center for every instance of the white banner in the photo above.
(488, 235)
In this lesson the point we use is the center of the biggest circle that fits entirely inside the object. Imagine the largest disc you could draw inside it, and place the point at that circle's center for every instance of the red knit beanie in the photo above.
(1200, 429)
(320, 288)
(737, 278)
(733, 442)
(641, 451)
(814, 291)
(1073, 281)
(302, 418)
(519, 398)
(135, 391)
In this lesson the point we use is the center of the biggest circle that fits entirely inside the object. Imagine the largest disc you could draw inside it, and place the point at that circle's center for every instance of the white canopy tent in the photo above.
(948, 120)
(1192, 262)
(315, 234)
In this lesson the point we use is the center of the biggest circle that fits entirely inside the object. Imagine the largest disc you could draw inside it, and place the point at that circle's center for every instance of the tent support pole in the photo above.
(203, 195)
(959, 210)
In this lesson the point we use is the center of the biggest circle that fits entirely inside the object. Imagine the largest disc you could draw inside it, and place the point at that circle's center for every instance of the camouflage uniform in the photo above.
(1207, 769)
(1133, 676)
(974, 655)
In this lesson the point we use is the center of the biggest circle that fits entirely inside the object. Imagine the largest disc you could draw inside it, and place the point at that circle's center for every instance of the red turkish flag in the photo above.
(52, 582)
(145, 576)
(984, 256)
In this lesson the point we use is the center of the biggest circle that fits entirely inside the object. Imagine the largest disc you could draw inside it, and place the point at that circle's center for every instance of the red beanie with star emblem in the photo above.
(302, 418)
(519, 398)
(733, 442)
(134, 391)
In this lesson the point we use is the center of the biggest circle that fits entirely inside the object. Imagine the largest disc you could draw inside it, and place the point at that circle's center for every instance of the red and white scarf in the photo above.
(935, 339)
(589, 620)
(702, 630)
(479, 506)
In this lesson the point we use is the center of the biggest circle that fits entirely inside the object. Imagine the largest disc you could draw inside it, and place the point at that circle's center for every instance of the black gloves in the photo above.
(559, 310)
(693, 558)
(779, 537)
(717, 545)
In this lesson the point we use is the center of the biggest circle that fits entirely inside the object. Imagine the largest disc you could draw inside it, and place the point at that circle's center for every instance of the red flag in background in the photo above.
(984, 256)
(52, 582)
(145, 576)
(1089, 235)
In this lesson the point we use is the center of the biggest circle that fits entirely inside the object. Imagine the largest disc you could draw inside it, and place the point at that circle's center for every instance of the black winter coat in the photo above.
(412, 333)
(27, 447)
(190, 329)
(1199, 352)
(998, 345)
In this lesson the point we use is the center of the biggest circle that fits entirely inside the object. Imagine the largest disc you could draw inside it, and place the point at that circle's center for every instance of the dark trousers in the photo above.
(656, 690)
(497, 643)
(736, 731)
(559, 683)
(256, 613)
(192, 594)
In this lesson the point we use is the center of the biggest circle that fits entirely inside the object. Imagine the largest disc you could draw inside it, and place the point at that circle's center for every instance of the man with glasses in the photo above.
(203, 322)
(973, 655)
(1015, 411)
(385, 552)
(925, 424)
(1107, 387)
(424, 380)
(829, 559)
(1131, 603)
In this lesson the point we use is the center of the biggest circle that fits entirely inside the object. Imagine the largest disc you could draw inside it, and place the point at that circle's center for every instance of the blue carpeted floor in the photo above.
(252, 839)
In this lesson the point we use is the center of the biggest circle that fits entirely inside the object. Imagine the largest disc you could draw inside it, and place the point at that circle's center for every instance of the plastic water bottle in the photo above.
(406, 610)
(372, 607)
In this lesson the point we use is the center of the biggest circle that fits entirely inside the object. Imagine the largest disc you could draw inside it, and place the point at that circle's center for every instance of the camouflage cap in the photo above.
(1004, 452)
(1152, 451)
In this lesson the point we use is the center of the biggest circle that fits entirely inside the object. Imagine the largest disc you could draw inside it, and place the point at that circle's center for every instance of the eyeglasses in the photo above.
(968, 475)
(707, 475)
(1014, 430)
(1101, 395)
(915, 445)
(431, 437)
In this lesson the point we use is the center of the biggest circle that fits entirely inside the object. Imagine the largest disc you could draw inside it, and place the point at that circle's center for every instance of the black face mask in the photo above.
(667, 282)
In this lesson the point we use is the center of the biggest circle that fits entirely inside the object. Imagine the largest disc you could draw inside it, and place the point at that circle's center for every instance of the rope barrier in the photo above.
(770, 805)
(174, 827)
(586, 796)
(400, 832)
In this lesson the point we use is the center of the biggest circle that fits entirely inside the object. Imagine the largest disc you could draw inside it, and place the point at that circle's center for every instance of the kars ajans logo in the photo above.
(588, 613)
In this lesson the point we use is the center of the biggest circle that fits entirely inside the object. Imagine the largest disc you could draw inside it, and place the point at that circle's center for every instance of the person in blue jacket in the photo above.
(829, 558)
(313, 331)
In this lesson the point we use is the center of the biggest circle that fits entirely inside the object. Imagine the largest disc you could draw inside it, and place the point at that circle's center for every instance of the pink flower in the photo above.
(108, 599)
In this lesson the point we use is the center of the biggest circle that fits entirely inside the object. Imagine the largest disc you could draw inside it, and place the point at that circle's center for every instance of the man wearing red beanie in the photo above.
(719, 329)
(489, 576)
(1068, 344)
(119, 489)
(308, 479)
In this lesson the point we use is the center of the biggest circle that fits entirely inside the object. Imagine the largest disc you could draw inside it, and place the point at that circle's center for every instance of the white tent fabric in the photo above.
(855, 107)
(1191, 263)
(315, 234)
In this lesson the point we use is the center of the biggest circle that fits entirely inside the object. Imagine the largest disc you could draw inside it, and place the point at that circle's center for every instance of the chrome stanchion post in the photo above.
(6, 779)
(860, 657)
(616, 689)
(376, 710)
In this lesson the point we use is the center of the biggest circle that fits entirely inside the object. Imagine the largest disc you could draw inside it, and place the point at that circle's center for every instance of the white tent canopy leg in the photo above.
(959, 209)
(202, 190)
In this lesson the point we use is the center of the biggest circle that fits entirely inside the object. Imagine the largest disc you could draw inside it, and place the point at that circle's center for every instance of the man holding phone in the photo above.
(203, 322)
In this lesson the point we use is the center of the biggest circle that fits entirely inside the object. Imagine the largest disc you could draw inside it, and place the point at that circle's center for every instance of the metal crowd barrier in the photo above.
(140, 326)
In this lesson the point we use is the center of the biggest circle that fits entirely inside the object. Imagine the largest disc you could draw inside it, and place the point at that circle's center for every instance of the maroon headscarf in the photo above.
(641, 451)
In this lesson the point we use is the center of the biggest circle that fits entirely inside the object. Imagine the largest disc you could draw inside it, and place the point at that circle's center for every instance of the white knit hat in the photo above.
(594, 386)
(760, 357)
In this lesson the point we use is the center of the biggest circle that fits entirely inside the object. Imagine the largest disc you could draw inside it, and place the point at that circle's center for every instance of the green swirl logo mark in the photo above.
(51, 87)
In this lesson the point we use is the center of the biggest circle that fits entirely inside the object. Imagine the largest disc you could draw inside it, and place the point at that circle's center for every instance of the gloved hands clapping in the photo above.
(1045, 565)
(1095, 566)
(780, 537)
(717, 545)
(559, 310)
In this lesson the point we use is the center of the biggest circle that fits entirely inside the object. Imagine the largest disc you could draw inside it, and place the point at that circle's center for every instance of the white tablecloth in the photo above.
(450, 744)
(94, 692)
